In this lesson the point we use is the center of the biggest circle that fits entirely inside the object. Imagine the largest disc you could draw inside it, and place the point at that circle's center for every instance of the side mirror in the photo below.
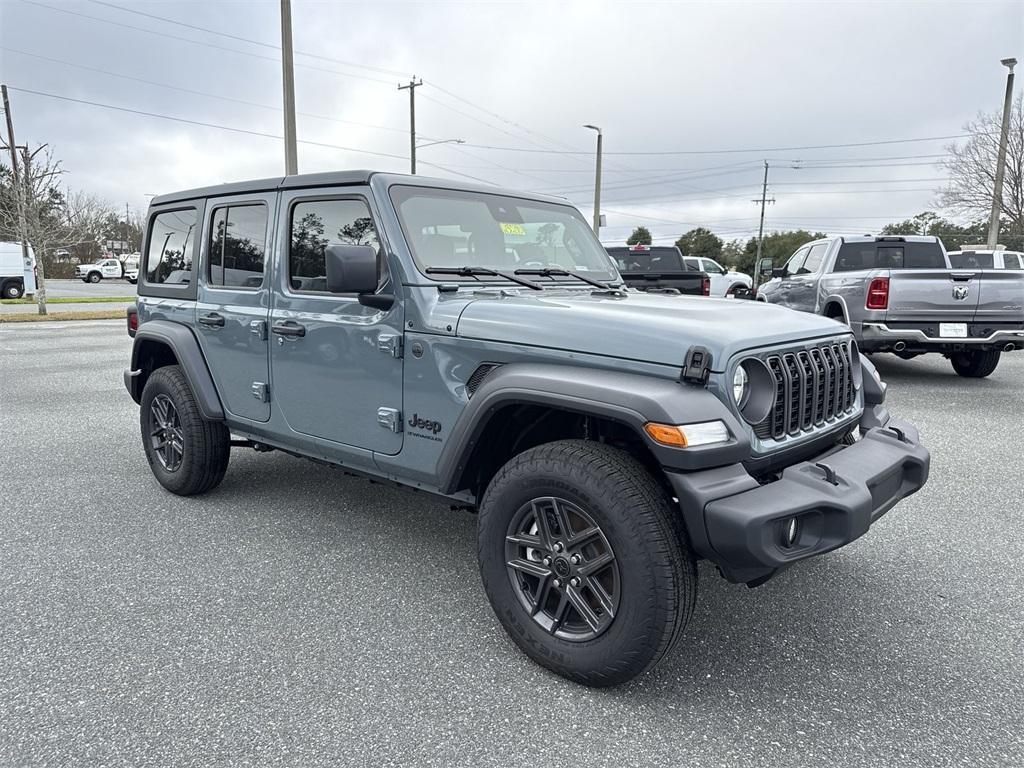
(764, 267)
(779, 272)
(351, 269)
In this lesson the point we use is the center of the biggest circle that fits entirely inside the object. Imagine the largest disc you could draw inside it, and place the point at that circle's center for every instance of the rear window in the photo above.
(972, 260)
(657, 259)
(889, 255)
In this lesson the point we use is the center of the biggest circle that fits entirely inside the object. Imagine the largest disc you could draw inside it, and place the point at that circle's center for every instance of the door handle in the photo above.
(289, 328)
(212, 320)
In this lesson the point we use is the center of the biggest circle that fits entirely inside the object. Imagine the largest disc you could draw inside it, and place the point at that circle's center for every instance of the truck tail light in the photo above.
(878, 294)
(705, 286)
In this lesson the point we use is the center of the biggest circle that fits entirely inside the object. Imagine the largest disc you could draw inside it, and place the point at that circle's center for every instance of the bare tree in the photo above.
(972, 170)
(52, 217)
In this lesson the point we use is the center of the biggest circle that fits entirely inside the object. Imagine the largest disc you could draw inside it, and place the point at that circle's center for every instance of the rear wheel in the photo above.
(187, 453)
(975, 364)
(582, 561)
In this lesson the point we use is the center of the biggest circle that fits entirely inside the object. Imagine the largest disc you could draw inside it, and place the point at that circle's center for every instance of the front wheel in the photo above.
(582, 562)
(13, 290)
(94, 277)
(187, 453)
(976, 364)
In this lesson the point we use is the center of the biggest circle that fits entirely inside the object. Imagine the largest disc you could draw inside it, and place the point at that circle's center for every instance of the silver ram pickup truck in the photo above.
(900, 294)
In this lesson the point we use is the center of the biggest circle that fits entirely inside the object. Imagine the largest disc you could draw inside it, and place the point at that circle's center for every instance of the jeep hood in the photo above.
(638, 326)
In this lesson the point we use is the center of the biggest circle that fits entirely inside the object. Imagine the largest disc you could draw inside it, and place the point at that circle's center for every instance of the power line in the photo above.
(234, 130)
(732, 151)
(198, 93)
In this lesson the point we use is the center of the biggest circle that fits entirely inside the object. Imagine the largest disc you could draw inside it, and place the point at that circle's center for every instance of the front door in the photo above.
(789, 281)
(803, 292)
(233, 301)
(336, 364)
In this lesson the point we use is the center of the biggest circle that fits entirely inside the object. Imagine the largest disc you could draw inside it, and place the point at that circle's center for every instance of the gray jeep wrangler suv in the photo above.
(478, 345)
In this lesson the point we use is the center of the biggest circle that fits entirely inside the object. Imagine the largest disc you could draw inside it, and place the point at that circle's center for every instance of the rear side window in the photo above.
(169, 258)
(883, 255)
(1011, 261)
(238, 236)
(317, 224)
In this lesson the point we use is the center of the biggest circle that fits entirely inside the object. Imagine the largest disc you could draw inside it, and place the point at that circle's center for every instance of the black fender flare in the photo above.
(629, 398)
(182, 342)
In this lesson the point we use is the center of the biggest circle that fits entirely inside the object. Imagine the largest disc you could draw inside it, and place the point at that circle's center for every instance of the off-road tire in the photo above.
(94, 277)
(207, 444)
(657, 570)
(976, 364)
(13, 290)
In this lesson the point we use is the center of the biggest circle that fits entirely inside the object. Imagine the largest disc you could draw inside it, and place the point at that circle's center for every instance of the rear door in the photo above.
(233, 301)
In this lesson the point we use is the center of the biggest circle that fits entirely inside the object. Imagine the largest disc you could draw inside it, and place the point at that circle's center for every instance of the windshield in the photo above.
(447, 228)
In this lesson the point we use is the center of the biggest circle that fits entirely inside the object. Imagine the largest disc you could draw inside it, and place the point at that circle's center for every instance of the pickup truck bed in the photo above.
(659, 269)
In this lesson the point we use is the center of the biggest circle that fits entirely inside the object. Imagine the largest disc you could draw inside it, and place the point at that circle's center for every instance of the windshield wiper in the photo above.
(548, 272)
(475, 271)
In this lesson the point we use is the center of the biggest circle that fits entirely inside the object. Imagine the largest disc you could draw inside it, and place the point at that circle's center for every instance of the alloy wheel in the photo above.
(166, 436)
(562, 569)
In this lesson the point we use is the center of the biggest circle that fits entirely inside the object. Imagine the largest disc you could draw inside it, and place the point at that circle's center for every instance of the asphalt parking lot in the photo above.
(296, 616)
(76, 289)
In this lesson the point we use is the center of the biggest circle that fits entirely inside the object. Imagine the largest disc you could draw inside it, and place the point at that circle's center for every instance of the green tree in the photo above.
(640, 236)
(778, 246)
(922, 224)
(700, 242)
(732, 253)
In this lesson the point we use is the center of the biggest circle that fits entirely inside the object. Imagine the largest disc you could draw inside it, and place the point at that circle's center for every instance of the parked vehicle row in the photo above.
(901, 294)
(479, 345)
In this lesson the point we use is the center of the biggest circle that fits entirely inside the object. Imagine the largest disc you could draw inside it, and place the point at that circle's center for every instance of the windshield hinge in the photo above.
(390, 344)
(697, 366)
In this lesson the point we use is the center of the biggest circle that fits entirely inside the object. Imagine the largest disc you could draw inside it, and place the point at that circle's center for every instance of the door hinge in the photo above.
(390, 418)
(259, 391)
(258, 328)
(390, 343)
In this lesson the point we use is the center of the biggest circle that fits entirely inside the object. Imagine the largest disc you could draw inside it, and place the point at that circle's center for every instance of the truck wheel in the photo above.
(94, 277)
(582, 562)
(187, 453)
(13, 290)
(977, 364)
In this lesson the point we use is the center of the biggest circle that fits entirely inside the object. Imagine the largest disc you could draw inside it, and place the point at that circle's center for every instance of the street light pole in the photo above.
(597, 182)
(997, 191)
(291, 154)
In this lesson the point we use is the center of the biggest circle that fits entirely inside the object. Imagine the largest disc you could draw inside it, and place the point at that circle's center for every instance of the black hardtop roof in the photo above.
(338, 179)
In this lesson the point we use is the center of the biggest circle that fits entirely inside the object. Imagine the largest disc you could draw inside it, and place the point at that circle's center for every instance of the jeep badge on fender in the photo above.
(609, 438)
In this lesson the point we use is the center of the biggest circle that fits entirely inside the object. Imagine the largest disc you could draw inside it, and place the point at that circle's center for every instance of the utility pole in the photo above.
(127, 236)
(760, 230)
(15, 176)
(411, 87)
(291, 155)
(997, 192)
(597, 181)
(40, 267)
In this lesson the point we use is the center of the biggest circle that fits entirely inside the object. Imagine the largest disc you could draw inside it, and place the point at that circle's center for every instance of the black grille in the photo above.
(478, 376)
(812, 388)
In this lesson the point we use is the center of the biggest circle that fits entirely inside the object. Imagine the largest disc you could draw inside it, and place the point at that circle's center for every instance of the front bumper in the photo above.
(881, 337)
(740, 524)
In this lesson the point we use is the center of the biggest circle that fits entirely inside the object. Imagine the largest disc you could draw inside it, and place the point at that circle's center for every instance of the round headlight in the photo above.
(740, 386)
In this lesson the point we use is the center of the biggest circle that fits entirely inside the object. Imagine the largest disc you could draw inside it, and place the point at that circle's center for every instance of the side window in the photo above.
(710, 265)
(1011, 261)
(169, 258)
(692, 264)
(317, 224)
(814, 256)
(797, 261)
(238, 236)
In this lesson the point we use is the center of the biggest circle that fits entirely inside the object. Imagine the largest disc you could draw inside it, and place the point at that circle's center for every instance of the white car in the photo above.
(724, 282)
(131, 268)
(982, 258)
(104, 268)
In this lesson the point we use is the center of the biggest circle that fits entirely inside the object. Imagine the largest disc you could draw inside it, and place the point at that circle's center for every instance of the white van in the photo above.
(16, 272)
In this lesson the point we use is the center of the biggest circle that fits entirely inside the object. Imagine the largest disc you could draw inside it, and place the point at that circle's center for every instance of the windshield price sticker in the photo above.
(513, 229)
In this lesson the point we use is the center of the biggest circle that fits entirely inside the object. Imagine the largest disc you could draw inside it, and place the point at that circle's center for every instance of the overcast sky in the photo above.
(693, 79)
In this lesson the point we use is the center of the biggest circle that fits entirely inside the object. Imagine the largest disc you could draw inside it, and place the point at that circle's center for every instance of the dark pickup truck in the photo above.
(659, 269)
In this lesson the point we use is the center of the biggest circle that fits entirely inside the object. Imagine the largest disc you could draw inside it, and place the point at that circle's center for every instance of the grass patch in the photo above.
(66, 300)
(98, 314)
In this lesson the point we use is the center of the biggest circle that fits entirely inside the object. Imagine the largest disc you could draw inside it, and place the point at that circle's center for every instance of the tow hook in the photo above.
(830, 474)
(900, 434)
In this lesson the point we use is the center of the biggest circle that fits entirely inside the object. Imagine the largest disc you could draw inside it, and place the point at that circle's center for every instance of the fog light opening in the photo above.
(790, 532)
